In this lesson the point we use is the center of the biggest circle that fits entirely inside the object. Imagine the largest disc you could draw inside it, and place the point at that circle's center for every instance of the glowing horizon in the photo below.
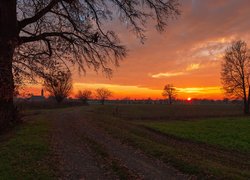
(135, 92)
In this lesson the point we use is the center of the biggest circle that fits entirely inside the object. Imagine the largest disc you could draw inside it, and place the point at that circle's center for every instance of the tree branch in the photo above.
(38, 15)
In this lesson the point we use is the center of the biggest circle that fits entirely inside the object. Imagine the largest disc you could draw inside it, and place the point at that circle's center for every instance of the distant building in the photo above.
(37, 98)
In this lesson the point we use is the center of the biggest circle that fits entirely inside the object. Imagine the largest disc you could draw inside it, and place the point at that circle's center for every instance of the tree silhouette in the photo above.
(236, 71)
(59, 85)
(84, 95)
(102, 94)
(169, 92)
(36, 35)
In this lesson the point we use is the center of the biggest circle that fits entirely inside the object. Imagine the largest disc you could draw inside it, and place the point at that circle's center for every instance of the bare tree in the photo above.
(170, 93)
(35, 35)
(102, 94)
(59, 85)
(236, 71)
(84, 95)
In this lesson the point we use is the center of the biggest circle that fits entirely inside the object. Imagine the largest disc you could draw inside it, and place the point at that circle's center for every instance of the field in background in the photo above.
(229, 133)
(205, 140)
(172, 112)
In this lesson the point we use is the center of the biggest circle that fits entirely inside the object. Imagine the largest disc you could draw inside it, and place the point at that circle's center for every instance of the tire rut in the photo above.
(76, 160)
(72, 127)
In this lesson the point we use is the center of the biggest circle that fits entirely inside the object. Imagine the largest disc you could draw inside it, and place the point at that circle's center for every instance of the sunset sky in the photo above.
(188, 54)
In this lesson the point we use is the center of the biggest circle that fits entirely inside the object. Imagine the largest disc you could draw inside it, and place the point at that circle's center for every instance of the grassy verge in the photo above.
(230, 133)
(24, 153)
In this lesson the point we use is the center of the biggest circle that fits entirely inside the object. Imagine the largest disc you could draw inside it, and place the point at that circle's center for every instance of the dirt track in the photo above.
(73, 137)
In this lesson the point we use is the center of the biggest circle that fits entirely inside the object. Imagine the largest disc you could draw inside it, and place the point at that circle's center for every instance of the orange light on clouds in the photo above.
(188, 56)
(122, 91)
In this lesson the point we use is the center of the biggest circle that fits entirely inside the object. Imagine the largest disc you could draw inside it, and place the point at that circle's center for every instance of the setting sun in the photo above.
(189, 99)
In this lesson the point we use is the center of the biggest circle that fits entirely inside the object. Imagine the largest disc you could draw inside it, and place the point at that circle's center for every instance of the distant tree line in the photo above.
(102, 94)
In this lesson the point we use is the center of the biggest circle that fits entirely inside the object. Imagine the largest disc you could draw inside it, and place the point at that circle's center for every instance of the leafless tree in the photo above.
(236, 71)
(59, 85)
(36, 35)
(170, 93)
(102, 94)
(84, 95)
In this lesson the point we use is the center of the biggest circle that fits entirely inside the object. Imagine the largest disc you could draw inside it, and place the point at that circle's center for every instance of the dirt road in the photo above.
(86, 151)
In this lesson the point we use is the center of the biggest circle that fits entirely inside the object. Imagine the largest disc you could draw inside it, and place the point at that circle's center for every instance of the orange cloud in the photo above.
(121, 91)
(192, 67)
(160, 75)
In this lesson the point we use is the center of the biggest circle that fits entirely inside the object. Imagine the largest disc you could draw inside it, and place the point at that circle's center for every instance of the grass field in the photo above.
(208, 148)
(174, 112)
(231, 133)
(24, 151)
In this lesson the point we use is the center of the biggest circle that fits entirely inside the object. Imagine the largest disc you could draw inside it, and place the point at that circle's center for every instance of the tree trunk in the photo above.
(59, 99)
(248, 102)
(246, 107)
(102, 101)
(170, 99)
(8, 41)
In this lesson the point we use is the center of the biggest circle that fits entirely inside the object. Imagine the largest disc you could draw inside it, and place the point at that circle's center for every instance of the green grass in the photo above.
(189, 156)
(24, 154)
(231, 133)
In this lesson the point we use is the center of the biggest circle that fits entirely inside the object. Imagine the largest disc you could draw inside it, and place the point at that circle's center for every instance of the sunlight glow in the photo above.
(192, 67)
(201, 90)
(160, 75)
(136, 92)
